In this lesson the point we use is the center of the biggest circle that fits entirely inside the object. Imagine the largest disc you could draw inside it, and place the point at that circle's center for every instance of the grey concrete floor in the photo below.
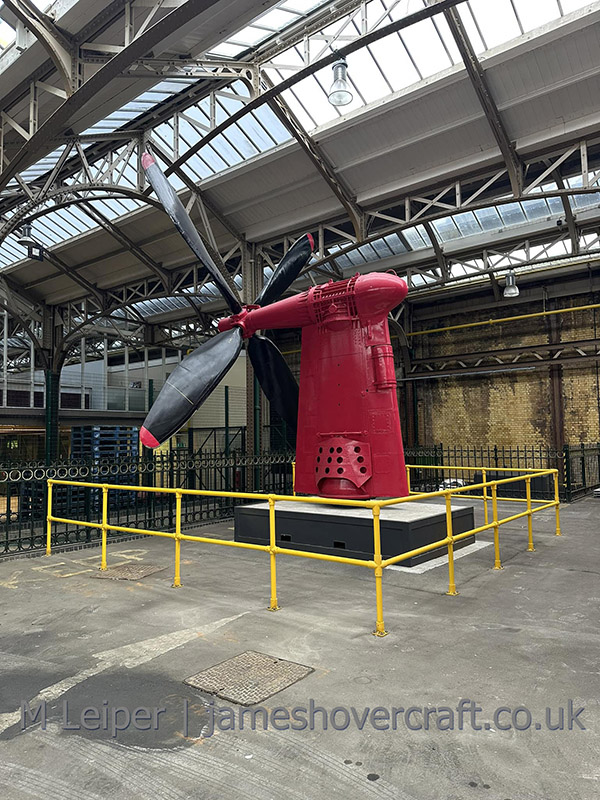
(524, 636)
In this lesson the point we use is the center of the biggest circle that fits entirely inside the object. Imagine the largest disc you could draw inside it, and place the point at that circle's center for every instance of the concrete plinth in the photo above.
(347, 531)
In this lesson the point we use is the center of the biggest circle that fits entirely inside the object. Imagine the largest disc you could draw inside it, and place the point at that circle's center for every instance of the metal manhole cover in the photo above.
(249, 678)
(129, 572)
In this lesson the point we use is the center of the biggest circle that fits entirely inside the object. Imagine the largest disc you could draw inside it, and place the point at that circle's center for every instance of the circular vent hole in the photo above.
(318, 459)
(339, 449)
(357, 449)
(363, 470)
(360, 459)
(316, 469)
(326, 470)
(329, 460)
(320, 449)
(340, 470)
(339, 459)
(331, 449)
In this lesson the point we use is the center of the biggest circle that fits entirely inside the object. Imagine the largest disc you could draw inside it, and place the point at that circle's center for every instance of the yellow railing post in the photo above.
(104, 524)
(408, 478)
(48, 521)
(294, 478)
(379, 624)
(485, 497)
(557, 501)
(449, 533)
(177, 579)
(497, 562)
(272, 545)
(530, 547)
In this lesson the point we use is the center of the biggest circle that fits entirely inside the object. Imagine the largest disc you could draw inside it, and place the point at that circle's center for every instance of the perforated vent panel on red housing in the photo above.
(339, 457)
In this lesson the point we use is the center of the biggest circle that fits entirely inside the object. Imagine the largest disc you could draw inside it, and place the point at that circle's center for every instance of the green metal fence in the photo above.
(488, 458)
(581, 469)
(23, 486)
(23, 492)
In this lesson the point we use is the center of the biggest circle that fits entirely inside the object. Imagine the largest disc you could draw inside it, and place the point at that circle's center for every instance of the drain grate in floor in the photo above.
(129, 572)
(249, 678)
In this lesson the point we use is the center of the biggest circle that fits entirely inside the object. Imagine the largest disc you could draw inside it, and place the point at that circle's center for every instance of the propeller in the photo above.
(189, 385)
(198, 375)
(275, 378)
(287, 270)
(182, 221)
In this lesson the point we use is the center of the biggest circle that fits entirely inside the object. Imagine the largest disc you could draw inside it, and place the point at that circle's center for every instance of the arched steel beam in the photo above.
(124, 240)
(76, 332)
(6, 306)
(64, 269)
(27, 212)
(352, 47)
(58, 44)
(432, 217)
(437, 249)
(58, 123)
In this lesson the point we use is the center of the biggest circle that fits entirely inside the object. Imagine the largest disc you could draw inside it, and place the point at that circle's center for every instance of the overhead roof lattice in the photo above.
(398, 64)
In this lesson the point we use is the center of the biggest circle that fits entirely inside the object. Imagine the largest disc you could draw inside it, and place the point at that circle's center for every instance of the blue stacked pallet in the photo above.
(111, 448)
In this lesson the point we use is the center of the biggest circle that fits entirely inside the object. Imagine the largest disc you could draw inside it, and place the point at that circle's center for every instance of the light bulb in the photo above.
(339, 93)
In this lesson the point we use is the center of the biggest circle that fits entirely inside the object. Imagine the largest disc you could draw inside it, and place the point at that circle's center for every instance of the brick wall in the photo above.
(503, 408)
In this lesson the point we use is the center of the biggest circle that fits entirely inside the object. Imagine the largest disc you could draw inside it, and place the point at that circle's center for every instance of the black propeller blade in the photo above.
(189, 385)
(198, 374)
(181, 219)
(272, 371)
(287, 270)
(275, 378)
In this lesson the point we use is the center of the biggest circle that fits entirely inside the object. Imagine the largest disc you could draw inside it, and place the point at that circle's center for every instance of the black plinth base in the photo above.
(346, 531)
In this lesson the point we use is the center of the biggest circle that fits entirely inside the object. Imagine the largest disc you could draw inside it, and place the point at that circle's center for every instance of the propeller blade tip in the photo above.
(147, 160)
(311, 240)
(147, 439)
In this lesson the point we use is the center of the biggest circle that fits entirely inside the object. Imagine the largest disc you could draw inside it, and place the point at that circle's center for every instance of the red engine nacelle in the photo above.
(349, 441)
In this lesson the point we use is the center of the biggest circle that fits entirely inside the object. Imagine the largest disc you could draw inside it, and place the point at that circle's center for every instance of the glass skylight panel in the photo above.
(496, 20)
(535, 209)
(426, 48)
(534, 13)
(264, 128)
(572, 5)
(467, 223)
(441, 26)
(489, 219)
(381, 249)
(301, 6)
(446, 229)
(227, 49)
(392, 57)
(512, 214)
(367, 76)
(582, 201)
(7, 34)
(395, 243)
(276, 19)
(415, 238)
(250, 36)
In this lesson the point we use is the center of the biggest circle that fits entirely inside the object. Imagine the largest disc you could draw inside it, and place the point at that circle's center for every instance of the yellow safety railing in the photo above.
(377, 563)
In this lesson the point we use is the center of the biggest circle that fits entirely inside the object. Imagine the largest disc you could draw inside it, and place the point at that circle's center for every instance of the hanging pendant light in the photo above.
(511, 289)
(340, 94)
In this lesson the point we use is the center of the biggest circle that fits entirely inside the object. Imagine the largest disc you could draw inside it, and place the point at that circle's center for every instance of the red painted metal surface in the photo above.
(349, 441)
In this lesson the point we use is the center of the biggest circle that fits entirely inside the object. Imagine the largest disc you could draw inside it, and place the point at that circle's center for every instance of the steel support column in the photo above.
(557, 407)
(51, 414)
